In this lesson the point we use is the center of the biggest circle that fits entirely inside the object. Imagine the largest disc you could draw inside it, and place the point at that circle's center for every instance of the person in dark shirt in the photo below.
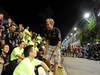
(1, 18)
(5, 53)
(53, 37)
(2, 36)
(5, 57)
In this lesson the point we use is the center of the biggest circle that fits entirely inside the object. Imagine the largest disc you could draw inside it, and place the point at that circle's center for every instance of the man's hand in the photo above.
(1, 61)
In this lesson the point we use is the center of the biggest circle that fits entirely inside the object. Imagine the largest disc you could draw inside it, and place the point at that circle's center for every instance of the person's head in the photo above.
(20, 25)
(49, 23)
(9, 21)
(5, 48)
(13, 28)
(1, 28)
(21, 44)
(30, 51)
(1, 16)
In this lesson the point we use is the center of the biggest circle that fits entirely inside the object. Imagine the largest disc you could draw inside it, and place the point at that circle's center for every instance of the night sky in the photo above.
(34, 13)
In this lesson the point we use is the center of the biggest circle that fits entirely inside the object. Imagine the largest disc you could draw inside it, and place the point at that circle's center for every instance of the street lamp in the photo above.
(67, 37)
(71, 34)
(86, 15)
(75, 28)
(99, 14)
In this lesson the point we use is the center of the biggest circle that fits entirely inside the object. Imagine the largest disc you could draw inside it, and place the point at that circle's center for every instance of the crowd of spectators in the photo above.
(88, 51)
(18, 45)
